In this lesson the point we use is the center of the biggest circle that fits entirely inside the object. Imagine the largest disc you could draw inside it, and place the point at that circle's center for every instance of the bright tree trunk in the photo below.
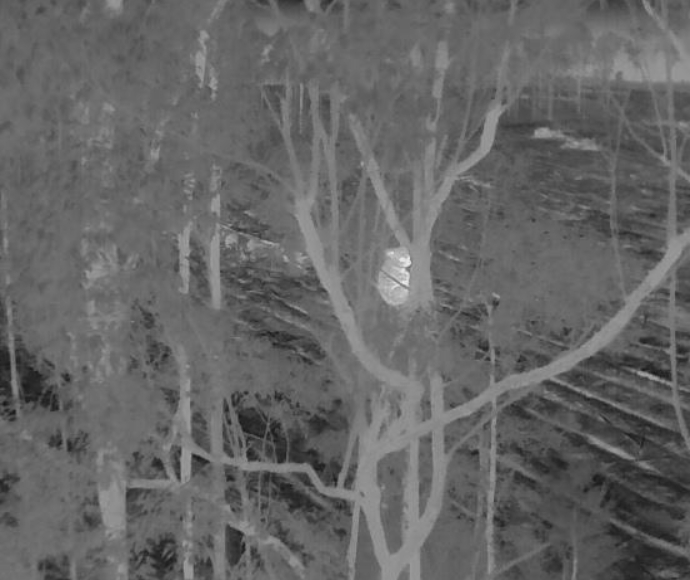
(185, 397)
(217, 405)
(9, 308)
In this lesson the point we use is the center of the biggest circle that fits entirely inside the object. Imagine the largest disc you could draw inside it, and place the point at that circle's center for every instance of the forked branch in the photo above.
(330, 280)
(456, 169)
(374, 174)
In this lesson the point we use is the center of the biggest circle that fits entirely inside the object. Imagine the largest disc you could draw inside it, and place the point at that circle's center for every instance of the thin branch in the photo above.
(268, 467)
(673, 354)
(431, 151)
(285, 127)
(455, 170)
(613, 208)
(357, 426)
(328, 142)
(671, 230)
(493, 450)
(575, 550)
(353, 543)
(374, 173)
(519, 560)
(316, 141)
(15, 386)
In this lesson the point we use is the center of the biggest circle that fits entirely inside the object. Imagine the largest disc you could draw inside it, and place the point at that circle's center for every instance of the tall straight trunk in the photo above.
(207, 76)
(9, 309)
(105, 317)
(411, 502)
(29, 566)
(185, 397)
(216, 416)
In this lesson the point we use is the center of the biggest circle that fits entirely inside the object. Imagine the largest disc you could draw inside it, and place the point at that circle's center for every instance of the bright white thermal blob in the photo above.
(394, 276)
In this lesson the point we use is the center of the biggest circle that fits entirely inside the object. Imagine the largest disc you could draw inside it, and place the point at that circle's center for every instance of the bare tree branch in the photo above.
(455, 170)
(269, 467)
(330, 280)
(374, 173)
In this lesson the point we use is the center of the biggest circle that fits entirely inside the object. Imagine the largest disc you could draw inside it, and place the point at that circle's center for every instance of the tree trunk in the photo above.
(184, 408)
(105, 316)
(217, 404)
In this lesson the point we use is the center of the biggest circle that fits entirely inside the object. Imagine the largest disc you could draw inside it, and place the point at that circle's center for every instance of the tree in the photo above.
(395, 422)
(156, 139)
